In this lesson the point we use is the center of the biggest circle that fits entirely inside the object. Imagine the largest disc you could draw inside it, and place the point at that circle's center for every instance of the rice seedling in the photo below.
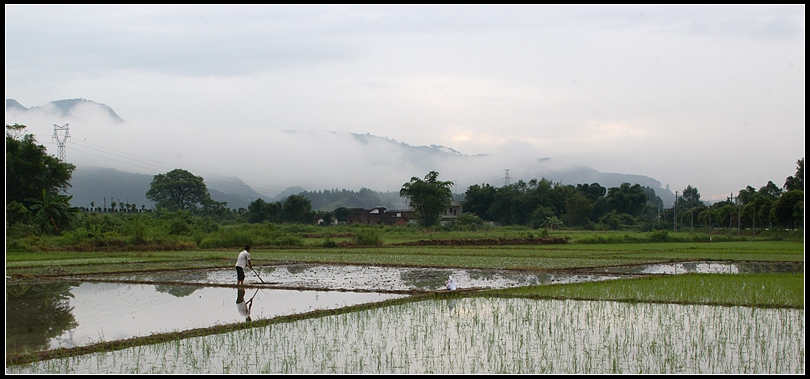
(483, 335)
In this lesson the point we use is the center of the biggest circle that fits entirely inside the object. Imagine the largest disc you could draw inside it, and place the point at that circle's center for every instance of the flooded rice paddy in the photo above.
(468, 335)
(113, 311)
(479, 335)
(411, 279)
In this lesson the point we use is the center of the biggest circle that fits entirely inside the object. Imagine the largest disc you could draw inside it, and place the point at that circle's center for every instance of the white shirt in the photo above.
(243, 309)
(242, 259)
(451, 284)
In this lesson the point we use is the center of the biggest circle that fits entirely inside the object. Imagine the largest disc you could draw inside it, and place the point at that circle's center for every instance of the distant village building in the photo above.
(456, 209)
(320, 220)
(378, 216)
(383, 216)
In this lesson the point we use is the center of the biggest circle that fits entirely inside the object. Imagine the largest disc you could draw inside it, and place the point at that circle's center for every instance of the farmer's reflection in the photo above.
(243, 306)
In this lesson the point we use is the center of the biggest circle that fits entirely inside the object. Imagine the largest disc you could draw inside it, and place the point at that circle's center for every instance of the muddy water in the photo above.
(362, 278)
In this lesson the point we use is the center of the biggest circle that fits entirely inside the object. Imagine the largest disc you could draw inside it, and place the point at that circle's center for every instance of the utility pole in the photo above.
(753, 220)
(731, 215)
(739, 217)
(60, 140)
(506, 178)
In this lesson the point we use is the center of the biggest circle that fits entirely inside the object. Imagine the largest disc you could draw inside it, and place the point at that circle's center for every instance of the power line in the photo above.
(153, 165)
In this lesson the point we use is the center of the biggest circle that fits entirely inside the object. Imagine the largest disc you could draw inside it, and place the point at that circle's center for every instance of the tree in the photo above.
(178, 190)
(52, 212)
(298, 209)
(690, 198)
(592, 192)
(429, 197)
(796, 182)
(627, 199)
(257, 211)
(770, 191)
(29, 169)
(747, 195)
(578, 210)
(552, 221)
(510, 206)
(478, 200)
(788, 211)
(214, 208)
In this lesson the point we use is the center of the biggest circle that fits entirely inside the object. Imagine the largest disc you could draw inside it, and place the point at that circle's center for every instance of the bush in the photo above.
(329, 242)
(658, 236)
(366, 237)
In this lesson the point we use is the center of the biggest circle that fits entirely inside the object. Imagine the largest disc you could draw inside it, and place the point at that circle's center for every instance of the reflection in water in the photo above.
(185, 276)
(243, 306)
(178, 291)
(48, 316)
(690, 267)
(297, 269)
(36, 313)
(703, 267)
(424, 278)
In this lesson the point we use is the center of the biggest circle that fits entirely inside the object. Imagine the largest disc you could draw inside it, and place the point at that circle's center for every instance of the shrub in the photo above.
(366, 237)
(658, 236)
(329, 242)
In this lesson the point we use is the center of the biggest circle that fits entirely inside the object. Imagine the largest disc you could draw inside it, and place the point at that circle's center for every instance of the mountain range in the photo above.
(102, 185)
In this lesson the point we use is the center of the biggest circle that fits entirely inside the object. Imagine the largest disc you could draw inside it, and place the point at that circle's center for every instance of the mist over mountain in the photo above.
(64, 108)
(241, 164)
(99, 187)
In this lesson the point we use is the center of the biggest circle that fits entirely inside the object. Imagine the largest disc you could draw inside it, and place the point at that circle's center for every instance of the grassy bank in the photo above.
(758, 290)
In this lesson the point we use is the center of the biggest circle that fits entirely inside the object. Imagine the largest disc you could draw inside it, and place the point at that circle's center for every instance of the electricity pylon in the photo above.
(61, 139)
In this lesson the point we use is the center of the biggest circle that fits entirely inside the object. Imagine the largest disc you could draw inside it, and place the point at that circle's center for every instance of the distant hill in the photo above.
(13, 105)
(103, 185)
(62, 108)
(357, 161)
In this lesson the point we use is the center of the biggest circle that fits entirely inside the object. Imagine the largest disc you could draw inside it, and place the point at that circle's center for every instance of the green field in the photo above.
(582, 250)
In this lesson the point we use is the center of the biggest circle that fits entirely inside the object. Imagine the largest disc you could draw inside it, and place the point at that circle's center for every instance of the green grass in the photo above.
(759, 290)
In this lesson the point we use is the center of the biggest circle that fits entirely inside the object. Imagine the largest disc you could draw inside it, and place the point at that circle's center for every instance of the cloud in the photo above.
(705, 95)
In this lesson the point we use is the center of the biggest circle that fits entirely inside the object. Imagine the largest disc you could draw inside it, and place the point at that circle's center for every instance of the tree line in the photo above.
(35, 204)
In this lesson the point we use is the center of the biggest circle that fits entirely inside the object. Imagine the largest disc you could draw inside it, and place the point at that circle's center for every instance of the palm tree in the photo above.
(52, 211)
(552, 221)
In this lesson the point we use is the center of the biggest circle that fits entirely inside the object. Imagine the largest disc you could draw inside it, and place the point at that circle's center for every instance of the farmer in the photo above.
(241, 261)
(243, 306)
(451, 284)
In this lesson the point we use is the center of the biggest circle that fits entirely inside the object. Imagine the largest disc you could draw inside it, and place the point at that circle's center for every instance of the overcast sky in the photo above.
(707, 96)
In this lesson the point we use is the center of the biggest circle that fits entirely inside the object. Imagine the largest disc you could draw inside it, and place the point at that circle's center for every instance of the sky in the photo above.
(708, 96)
